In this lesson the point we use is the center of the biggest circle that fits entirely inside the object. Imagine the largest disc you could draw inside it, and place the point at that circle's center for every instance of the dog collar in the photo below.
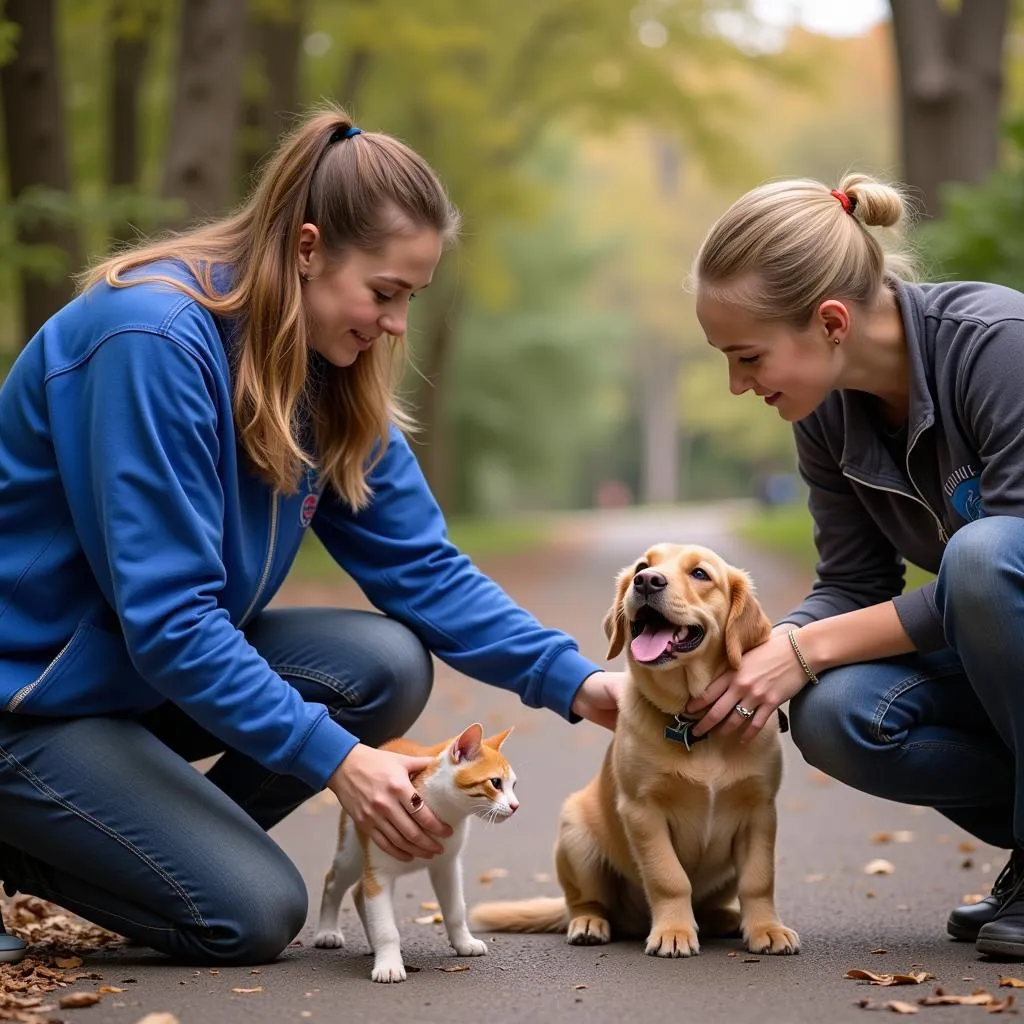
(681, 729)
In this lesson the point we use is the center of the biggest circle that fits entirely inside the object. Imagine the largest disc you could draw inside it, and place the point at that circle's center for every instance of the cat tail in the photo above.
(543, 914)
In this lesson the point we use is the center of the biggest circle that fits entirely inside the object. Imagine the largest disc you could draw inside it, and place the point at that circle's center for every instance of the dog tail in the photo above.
(543, 914)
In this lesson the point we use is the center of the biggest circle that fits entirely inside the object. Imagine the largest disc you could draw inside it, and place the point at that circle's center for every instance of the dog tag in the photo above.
(681, 731)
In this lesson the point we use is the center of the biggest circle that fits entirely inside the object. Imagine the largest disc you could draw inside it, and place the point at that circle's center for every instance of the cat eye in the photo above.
(496, 783)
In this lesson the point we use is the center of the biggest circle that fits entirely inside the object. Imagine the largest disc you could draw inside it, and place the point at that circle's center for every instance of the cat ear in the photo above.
(495, 742)
(467, 745)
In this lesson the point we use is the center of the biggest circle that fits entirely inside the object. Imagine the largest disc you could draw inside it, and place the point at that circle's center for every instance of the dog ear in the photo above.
(615, 619)
(747, 625)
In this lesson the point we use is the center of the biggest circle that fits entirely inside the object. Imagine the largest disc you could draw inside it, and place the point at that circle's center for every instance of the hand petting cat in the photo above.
(597, 699)
(374, 787)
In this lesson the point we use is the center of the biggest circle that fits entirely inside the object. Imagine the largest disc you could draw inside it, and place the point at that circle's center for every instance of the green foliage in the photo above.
(788, 531)
(981, 236)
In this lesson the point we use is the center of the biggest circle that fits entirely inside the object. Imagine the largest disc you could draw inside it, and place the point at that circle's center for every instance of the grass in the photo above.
(478, 538)
(787, 530)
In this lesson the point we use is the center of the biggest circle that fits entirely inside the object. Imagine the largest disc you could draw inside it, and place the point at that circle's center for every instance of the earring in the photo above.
(835, 341)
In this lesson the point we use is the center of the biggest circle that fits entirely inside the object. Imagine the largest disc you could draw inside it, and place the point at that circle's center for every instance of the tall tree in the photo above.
(951, 85)
(37, 158)
(200, 164)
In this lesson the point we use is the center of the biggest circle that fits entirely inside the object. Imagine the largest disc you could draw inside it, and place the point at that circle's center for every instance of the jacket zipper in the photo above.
(271, 548)
(22, 694)
(943, 536)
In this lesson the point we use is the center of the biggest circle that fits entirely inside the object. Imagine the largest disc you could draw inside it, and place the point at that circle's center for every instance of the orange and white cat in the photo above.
(469, 777)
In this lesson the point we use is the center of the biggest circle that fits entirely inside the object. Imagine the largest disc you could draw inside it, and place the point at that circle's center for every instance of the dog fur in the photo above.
(664, 839)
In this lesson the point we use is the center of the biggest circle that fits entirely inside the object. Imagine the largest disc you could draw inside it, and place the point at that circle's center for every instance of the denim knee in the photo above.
(259, 911)
(406, 675)
(981, 559)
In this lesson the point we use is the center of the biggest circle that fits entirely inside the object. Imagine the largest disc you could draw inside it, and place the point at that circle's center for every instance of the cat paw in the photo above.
(773, 938)
(673, 941)
(470, 946)
(388, 972)
(329, 939)
(588, 931)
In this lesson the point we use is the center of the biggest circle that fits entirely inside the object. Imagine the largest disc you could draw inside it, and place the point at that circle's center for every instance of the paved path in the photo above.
(844, 916)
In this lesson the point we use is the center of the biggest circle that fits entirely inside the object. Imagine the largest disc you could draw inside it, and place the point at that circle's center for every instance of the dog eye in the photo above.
(496, 783)
(699, 574)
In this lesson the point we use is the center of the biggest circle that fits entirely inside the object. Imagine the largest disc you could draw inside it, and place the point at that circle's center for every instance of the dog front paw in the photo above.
(679, 940)
(774, 938)
(329, 938)
(587, 930)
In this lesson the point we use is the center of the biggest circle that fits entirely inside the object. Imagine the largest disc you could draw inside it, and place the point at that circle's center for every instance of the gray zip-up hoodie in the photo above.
(965, 456)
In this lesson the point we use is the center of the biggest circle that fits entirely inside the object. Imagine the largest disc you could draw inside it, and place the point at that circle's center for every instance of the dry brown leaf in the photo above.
(429, 905)
(1011, 983)
(879, 951)
(1004, 1007)
(751, 960)
(108, 989)
(454, 968)
(898, 1006)
(430, 919)
(966, 847)
(248, 991)
(910, 978)
(159, 1018)
(78, 999)
(492, 873)
(979, 998)
(67, 962)
(881, 838)
(578, 987)
(879, 867)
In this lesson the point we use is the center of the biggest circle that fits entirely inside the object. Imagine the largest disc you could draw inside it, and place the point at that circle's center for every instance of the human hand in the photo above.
(598, 697)
(374, 787)
(768, 676)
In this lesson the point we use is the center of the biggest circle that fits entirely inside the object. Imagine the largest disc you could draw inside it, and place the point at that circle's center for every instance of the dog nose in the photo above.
(649, 581)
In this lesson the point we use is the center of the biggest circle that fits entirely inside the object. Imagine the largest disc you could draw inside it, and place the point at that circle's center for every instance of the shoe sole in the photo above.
(962, 934)
(1000, 947)
(11, 956)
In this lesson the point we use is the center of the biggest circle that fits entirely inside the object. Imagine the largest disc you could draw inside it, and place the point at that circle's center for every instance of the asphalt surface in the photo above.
(828, 834)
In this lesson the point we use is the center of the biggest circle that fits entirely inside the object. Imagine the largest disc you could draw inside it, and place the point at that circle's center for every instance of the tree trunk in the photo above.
(274, 43)
(129, 53)
(200, 166)
(951, 85)
(36, 143)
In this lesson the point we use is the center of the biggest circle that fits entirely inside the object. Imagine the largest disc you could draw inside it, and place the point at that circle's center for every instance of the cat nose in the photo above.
(513, 806)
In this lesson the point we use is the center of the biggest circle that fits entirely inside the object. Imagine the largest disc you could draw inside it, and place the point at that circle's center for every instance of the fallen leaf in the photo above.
(900, 1007)
(68, 962)
(967, 863)
(881, 838)
(430, 919)
(1011, 983)
(107, 989)
(76, 999)
(879, 951)
(492, 873)
(454, 968)
(911, 978)
(429, 905)
(751, 960)
(255, 970)
(978, 998)
(248, 991)
(966, 847)
(578, 987)
(158, 1018)
(879, 867)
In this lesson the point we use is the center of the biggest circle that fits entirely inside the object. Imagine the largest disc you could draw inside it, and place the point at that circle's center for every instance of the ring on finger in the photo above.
(416, 804)
(745, 712)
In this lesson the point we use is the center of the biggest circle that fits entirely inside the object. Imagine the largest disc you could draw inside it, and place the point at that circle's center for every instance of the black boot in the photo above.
(967, 921)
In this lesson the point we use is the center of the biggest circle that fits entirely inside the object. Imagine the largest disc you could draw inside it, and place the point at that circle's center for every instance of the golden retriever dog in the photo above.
(671, 831)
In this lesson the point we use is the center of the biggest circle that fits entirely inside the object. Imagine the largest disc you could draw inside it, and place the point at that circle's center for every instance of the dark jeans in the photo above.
(106, 817)
(945, 730)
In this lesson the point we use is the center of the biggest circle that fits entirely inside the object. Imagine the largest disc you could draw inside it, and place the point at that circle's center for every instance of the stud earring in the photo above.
(835, 341)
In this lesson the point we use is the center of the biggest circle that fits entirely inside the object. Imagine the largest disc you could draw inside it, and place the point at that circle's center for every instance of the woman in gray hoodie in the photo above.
(907, 403)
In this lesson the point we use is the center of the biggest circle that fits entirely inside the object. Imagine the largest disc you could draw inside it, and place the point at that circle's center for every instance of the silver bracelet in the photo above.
(811, 677)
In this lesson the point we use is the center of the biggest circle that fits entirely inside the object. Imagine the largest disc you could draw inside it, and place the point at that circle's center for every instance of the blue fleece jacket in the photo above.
(135, 543)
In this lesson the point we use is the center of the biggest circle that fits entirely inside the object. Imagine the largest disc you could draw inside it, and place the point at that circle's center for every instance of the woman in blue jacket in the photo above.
(166, 439)
(907, 402)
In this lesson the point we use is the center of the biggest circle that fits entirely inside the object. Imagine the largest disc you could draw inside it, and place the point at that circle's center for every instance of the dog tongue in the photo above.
(651, 644)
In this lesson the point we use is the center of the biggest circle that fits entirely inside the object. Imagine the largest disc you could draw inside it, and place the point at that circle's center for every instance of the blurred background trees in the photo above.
(557, 362)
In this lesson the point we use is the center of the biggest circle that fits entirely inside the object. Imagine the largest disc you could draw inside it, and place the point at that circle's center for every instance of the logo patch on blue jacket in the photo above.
(309, 503)
(964, 491)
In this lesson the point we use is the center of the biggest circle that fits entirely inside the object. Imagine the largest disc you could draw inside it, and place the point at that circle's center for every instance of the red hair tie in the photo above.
(845, 201)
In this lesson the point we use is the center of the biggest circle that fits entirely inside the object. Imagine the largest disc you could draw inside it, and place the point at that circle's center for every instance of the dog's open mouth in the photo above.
(655, 639)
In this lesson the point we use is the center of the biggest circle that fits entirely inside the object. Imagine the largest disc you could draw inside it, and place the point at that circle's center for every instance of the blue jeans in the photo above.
(106, 817)
(946, 729)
